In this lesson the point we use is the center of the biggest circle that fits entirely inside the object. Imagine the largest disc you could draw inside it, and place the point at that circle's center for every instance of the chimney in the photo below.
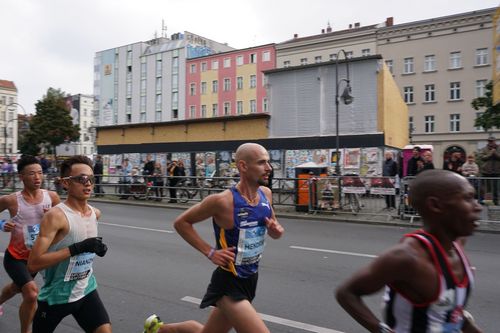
(350, 26)
(389, 22)
(322, 31)
(357, 25)
(295, 35)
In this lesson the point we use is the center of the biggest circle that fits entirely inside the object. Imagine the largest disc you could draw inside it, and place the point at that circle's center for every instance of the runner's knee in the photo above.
(30, 292)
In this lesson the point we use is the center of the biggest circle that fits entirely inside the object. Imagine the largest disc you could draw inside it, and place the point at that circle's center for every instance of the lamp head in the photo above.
(346, 96)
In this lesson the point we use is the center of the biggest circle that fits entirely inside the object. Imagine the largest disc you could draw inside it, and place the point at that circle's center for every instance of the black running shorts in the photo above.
(224, 283)
(17, 270)
(89, 313)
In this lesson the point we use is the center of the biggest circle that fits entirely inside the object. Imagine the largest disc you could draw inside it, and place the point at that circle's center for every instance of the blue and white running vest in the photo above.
(247, 235)
(445, 313)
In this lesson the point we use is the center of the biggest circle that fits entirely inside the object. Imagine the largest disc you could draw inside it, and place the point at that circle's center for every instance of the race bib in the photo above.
(250, 245)
(79, 267)
(30, 233)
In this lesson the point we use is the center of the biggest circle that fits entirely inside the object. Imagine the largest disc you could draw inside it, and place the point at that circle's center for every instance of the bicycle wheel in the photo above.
(183, 196)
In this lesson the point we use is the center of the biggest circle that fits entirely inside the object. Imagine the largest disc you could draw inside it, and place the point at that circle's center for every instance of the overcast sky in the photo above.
(52, 43)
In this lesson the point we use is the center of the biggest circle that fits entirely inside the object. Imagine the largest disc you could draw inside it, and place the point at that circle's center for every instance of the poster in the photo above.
(371, 162)
(352, 159)
(276, 162)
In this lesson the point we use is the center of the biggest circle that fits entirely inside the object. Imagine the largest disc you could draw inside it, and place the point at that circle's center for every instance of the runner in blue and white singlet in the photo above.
(247, 236)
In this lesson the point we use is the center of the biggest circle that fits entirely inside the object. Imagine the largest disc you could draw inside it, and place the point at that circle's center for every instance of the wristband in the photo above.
(211, 253)
(2, 223)
(384, 328)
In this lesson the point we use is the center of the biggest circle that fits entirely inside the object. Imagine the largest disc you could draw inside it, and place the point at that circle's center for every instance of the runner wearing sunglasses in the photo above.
(26, 208)
(66, 249)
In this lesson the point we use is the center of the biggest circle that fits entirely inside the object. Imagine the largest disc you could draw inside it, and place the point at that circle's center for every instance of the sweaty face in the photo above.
(462, 210)
(32, 176)
(74, 184)
(258, 167)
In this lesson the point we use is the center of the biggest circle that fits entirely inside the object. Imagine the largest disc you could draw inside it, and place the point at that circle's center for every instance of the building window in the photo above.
(411, 126)
(175, 100)
(192, 68)
(429, 93)
(143, 69)
(128, 106)
(317, 59)
(455, 122)
(175, 65)
(266, 56)
(430, 63)
(143, 104)
(203, 111)
(227, 108)
(158, 85)
(333, 56)
(408, 66)
(264, 105)
(215, 64)
(129, 88)
(481, 57)
(203, 66)
(158, 102)
(455, 60)
(175, 81)
(390, 65)
(143, 117)
(239, 107)
(158, 67)
(303, 61)
(227, 84)
(239, 82)
(215, 110)
(481, 88)
(175, 113)
(479, 128)
(253, 58)
(349, 54)
(192, 89)
(239, 60)
(253, 81)
(143, 86)
(215, 86)
(192, 111)
(408, 95)
(454, 91)
(253, 106)
(429, 124)
(286, 63)
(158, 115)
(227, 62)
(203, 88)
(365, 52)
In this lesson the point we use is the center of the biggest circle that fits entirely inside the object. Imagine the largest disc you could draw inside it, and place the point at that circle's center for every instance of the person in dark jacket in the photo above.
(98, 171)
(454, 163)
(390, 169)
(413, 162)
(426, 163)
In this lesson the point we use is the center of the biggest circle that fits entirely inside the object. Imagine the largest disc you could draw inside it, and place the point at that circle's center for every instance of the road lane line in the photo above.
(335, 252)
(277, 320)
(134, 227)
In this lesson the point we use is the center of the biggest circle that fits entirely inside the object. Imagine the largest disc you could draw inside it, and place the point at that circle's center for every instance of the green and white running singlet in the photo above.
(73, 278)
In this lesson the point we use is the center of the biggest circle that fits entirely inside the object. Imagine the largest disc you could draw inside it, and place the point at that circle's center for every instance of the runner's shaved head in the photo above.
(434, 183)
(246, 151)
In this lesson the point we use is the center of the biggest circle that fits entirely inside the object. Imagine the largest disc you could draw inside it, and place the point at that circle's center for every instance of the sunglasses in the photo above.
(82, 179)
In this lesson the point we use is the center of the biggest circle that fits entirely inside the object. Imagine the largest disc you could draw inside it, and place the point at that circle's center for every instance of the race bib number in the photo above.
(80, 267)
(30, 233)
(250, 245)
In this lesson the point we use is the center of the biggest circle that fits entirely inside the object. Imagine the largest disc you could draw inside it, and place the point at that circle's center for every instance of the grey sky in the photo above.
(51, 43)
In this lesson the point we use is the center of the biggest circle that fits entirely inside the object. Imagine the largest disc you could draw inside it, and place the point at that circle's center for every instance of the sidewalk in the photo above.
(289, 212)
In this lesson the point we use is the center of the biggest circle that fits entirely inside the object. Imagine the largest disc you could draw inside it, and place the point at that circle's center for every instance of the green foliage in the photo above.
(52, 124)
(28, 145)
(491, 113)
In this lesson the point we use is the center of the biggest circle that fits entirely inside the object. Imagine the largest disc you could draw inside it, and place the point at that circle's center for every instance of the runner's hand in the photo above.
(9, 226)
(223, 257)
(92, 245)
(274, 229)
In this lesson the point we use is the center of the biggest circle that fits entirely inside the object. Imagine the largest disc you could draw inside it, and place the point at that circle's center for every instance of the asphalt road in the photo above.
(150, 269)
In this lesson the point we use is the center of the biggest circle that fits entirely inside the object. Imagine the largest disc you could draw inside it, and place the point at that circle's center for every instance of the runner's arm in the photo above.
(393, 265)
(6, 203)
(274, 229)
(55, 198)
(209, 207)
(39, 257)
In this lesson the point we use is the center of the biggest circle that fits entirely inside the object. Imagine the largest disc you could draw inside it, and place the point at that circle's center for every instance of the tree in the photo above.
(52, 124)
(490, 117)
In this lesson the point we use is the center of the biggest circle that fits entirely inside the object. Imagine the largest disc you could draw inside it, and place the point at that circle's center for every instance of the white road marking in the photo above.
(134, 227)
(277, 320)
(335, 252)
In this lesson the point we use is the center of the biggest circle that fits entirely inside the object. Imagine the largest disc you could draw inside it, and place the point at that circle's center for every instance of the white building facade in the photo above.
(8, 118)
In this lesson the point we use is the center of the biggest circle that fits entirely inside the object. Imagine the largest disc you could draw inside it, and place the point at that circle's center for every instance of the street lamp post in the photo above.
(7, 123)
(346, 99)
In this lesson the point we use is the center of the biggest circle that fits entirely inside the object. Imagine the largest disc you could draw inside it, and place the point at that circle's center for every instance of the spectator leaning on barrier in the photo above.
(390, 169)
(470, 168)
(490, 156)
(413, 162)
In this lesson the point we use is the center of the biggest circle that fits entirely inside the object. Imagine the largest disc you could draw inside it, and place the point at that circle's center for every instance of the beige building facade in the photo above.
(439, 65)
(8, 117)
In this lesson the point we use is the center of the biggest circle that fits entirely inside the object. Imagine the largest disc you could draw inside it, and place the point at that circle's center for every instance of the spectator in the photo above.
(390, 169)
(149, 168)
(412, 167)
(426, 163)
(98, 171)
(158, 181)
(454, 163)
(45, 163)
(125, 179)
(470, 168)
(490, 155)
(172, 181)
(7, 170)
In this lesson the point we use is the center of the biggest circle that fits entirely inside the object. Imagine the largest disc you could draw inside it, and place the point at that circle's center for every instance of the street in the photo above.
(150, 269)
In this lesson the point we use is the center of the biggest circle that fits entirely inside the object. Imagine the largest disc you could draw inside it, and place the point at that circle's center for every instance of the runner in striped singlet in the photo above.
(427, 276)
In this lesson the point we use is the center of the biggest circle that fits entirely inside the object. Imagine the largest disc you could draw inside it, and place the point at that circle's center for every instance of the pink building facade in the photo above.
(228, 84)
